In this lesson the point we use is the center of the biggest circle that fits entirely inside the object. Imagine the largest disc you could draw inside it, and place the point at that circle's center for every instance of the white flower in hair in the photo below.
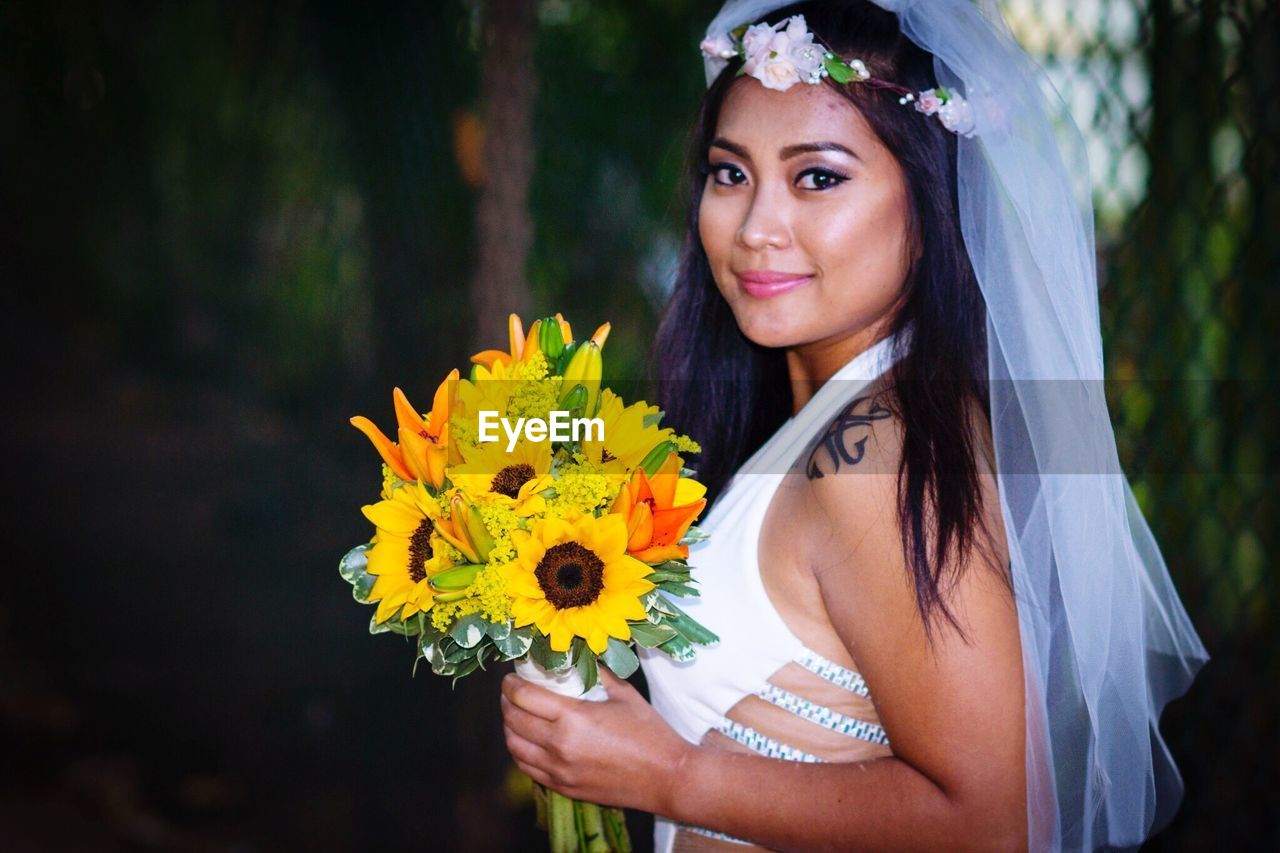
(956, 115)
(928, 102)
(777, 72)
(756, 39)
(783, 54)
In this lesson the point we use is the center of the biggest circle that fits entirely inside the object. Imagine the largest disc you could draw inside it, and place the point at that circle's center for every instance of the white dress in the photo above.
(698, 696)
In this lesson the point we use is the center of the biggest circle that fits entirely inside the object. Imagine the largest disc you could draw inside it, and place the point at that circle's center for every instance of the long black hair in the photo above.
(732, 394)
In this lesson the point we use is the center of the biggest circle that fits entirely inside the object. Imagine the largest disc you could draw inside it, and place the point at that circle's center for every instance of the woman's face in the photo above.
(804, 219)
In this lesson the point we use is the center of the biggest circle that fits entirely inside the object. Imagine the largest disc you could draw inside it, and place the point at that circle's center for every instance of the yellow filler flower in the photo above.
(405, 552)
(573, 577)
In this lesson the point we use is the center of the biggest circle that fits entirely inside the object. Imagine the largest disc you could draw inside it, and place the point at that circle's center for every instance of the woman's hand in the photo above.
(615, 753)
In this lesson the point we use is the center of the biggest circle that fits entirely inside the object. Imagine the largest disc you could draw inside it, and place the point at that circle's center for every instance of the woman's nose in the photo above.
(764, 227)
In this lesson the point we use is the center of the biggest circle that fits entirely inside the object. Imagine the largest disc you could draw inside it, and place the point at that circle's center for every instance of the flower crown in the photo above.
(782, 54)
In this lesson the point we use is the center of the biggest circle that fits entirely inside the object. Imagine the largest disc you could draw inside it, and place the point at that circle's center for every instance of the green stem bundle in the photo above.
(574, 826)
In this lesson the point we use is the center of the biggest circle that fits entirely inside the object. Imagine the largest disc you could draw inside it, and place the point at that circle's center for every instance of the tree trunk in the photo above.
(503, 224)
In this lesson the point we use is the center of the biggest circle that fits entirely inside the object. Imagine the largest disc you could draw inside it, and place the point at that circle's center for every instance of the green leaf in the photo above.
(655, 601)
(654, 419)
(677, 588)
(468, 630)
(516, 644)
(354, 570)
(694, 535)
(651, 636)
(679, 648)
(463, 670)
(619, 657)
(839, 72)
(428, 633)
(585, 662)
(689, 627)
(542, 655)
(435, 657)
(453, 653)
(498, 630)
(392, 626)
(662, 577)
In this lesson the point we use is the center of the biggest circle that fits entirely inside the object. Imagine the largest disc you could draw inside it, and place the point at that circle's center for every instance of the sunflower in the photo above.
(491, 475)
(627, 439)
(406, 551)
(573, 577)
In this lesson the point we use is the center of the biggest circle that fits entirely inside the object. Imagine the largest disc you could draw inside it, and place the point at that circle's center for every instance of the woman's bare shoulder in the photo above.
(864, 436)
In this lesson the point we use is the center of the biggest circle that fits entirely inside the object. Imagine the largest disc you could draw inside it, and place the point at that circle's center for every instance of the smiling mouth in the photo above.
(763, 284)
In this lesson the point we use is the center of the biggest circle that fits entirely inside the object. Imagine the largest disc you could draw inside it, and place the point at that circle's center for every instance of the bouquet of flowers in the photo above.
(533, 516)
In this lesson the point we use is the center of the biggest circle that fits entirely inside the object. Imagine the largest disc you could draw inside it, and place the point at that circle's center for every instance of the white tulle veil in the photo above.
(1106, 642)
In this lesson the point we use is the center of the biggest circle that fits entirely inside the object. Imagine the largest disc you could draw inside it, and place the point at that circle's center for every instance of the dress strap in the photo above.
(764, 744)
(711, 833)
(833, 672)
(823, 716)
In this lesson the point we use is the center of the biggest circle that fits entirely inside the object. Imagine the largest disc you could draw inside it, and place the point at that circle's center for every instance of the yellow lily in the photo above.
(464, 529)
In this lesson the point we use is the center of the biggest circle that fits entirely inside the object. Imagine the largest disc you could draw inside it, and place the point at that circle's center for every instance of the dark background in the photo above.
(227, 227)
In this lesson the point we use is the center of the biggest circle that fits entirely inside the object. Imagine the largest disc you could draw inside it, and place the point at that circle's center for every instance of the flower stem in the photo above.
(615, 830)
(561, 823)
(592, 837)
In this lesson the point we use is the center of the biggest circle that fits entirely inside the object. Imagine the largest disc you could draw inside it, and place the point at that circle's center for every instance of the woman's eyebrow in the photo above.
(733, 147)
(787, 152)
(807, 147)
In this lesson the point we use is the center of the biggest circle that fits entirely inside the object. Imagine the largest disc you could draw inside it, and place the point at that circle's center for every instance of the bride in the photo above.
(943, 620)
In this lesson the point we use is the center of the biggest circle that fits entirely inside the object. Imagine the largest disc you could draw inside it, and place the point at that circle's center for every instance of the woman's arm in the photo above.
(953, 712)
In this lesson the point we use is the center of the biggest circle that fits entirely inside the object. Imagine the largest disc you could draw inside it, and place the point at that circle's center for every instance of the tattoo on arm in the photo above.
(839, 446)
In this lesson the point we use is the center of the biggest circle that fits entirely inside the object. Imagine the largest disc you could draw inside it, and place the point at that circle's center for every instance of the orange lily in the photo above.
(659, 510)
(515, 329)
(423, 448)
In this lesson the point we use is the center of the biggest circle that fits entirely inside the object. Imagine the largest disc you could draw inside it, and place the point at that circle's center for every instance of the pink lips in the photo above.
(764, 284)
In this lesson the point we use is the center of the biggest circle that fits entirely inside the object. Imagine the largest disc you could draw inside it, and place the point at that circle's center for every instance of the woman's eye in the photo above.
(820, 179)
(728, 175)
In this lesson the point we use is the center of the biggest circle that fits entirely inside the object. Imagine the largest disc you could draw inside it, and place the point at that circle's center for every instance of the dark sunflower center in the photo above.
(570, 575)
(420, 550)
(509, 480)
